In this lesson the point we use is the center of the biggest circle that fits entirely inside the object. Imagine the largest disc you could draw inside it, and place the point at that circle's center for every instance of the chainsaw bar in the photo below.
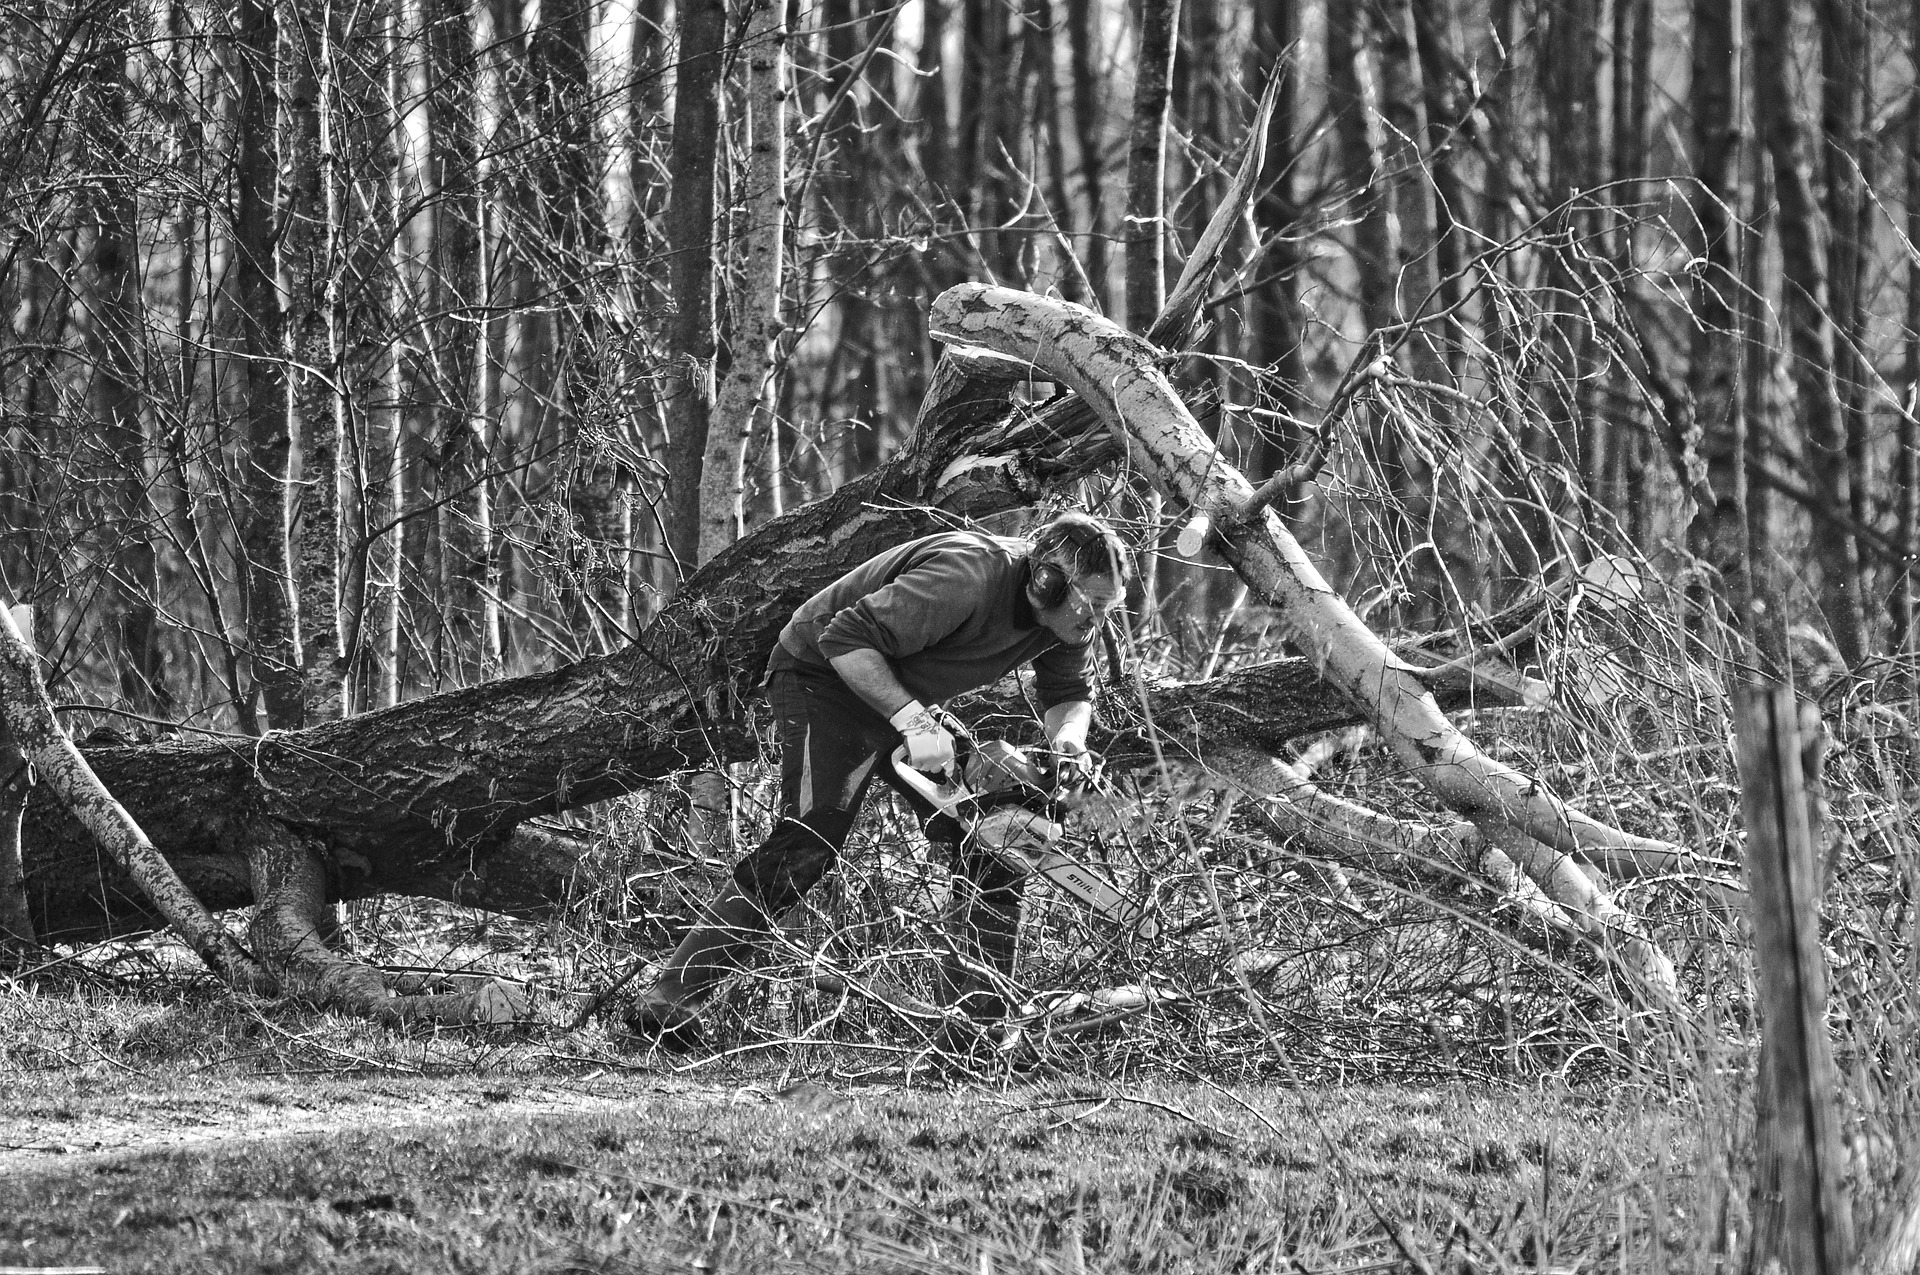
(1079, 880)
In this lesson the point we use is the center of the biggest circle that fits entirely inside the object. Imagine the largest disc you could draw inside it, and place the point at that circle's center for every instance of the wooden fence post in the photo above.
(16, 923)
(1801, 1221)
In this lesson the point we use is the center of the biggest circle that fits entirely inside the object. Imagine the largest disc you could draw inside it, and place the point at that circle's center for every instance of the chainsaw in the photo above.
(992, 791)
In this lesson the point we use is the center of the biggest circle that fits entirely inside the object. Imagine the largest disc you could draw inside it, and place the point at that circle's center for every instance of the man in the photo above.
(861, 669)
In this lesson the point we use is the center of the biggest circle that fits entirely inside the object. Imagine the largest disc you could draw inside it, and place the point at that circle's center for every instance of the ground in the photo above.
(638, 1170)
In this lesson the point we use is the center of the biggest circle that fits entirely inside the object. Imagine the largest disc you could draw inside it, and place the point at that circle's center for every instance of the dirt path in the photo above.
(58, 1135)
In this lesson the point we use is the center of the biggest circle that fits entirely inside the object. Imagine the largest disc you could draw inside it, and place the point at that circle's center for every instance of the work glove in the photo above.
(1071, 763)
(928, 735)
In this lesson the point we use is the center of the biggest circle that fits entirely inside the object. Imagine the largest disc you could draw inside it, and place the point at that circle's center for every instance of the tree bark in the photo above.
(1906, 605)
(265, 557)
(16, 920)
(690, 226)
(310, 262)
(1082, 31)
(1847, 164)
(1274, 325)
(757, 326)
(1146, 237)
(1809, 321)
(116, 336)
(1716, 533)
(1375, 246)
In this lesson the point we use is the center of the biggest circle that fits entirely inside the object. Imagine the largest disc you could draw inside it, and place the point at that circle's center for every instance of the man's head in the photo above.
(1080, 574)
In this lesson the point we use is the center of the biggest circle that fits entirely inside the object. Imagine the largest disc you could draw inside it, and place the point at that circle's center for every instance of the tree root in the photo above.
(291, 929)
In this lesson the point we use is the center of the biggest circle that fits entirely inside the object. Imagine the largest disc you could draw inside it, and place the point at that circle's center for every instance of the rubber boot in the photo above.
(722, 942)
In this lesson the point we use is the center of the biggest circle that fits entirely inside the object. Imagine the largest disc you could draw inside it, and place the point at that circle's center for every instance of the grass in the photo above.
(750, 1177)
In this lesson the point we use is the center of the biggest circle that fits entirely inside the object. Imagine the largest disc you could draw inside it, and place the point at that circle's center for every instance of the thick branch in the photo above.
(1119, 375)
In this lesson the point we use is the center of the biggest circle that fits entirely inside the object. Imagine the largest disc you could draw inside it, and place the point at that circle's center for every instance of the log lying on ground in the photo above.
(433, 797)
(430, 797)
(1120, 375)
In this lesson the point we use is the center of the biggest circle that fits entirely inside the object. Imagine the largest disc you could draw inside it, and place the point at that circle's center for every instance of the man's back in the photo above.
(949, 611)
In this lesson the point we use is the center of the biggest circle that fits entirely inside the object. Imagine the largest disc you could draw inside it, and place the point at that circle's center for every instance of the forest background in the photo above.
(357, 352)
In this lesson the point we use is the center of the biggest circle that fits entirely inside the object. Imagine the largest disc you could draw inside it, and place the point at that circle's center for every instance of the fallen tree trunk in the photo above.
(438, 797)
(434, 797)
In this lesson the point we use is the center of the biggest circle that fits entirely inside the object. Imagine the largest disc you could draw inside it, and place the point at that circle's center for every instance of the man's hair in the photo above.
(1085, 546)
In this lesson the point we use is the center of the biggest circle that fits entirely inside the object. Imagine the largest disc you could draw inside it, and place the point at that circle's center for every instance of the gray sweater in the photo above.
(950, 613)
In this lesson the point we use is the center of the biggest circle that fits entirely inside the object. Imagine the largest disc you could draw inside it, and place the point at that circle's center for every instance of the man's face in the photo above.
(1088, 601)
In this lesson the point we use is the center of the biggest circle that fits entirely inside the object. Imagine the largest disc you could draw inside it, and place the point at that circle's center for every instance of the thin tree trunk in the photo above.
(1274, 323)
(1146, 236)
(1847, 158)
(647, 131)
(1437, 34)
(1375, 246)
(1716, 533)
(16, 779)
(310, 263)
(1906, 596)
(1088, 114)
(265, 558)
(1810, 327)
(690, 233)
(116, 335)
(757, 326)
(389, 556)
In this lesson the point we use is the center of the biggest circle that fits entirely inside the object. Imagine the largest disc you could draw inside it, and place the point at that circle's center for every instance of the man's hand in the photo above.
(1072, 763)
(929, 743)
(1067, 739)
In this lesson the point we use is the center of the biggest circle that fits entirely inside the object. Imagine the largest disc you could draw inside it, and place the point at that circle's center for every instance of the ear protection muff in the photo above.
(1049, 584)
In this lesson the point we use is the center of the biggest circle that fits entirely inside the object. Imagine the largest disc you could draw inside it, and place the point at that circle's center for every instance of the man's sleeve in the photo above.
(913, 612)
(1060, 675)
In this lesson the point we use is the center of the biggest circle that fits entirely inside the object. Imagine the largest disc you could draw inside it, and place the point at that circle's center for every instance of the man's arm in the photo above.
(867, 672)
(871, 677)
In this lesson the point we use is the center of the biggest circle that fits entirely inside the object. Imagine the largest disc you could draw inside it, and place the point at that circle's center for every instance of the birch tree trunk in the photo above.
(32, 732)
(310, 262)
(1118, 375)
(742, 399)
(16, 778)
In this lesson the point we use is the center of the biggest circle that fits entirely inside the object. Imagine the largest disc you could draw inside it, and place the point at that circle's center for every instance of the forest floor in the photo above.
(753, 1170)
(155, 1123)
